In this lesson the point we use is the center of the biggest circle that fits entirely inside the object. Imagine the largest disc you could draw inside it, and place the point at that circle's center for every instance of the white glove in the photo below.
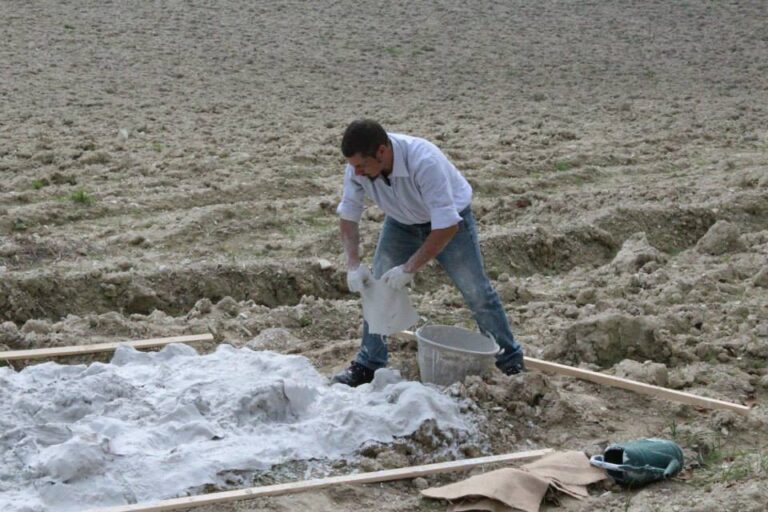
(397, 277)
(358, 279)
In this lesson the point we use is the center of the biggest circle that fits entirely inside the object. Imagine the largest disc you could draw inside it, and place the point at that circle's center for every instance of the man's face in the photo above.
(369, 166)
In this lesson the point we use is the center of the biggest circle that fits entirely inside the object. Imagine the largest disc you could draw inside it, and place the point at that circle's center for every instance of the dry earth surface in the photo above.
(173, 167)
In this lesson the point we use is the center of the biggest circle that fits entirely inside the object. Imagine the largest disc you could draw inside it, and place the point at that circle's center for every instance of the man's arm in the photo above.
(432, 246)
(350, 239)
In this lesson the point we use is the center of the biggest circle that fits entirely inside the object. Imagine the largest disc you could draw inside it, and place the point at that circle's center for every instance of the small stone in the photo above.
(651, 267)
(36, 326)
(228, 305)
(9, 333)
(761, 278)
(371, 450)
(276, 339)
(523, 203)
(203, 306)
(137, 240)
(707, 505)
(109, 290)
(757, 492)
(757, 347)
(649, 372)
(392, 460)
(369, 465)
(721, 238)
(585, 296)
(470, 450)
(45, 157)
(635, 253)
(420, 483)
(571, 312)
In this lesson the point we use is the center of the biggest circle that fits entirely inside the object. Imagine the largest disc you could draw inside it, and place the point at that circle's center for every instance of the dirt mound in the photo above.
(173, 290)
(721, 238)
(608, 338)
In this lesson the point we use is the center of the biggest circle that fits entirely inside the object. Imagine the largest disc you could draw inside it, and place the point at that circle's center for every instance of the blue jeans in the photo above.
(462, 261)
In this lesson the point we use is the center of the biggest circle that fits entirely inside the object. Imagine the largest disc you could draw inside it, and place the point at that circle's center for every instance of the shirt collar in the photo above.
(399, 169)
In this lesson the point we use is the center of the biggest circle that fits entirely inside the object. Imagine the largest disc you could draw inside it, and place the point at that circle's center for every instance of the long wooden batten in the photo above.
(320, 483)
(631, 385)
(75, 350)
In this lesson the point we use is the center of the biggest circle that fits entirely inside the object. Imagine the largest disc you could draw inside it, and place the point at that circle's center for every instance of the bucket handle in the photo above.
(421, 322)
(599, 461)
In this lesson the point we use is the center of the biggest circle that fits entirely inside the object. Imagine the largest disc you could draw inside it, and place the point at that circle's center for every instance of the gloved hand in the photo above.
(397, 277)
(358, 279)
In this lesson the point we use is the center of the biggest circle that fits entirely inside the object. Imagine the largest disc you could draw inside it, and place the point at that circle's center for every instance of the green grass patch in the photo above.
(673, 432)
(578, 179)
(81, 197)
(562, 166)
(39, 183)
(718, 464)
(738, 469)
(422, 50)
(19, 225)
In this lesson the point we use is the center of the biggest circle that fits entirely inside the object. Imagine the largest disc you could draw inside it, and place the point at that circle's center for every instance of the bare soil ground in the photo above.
(173, 168)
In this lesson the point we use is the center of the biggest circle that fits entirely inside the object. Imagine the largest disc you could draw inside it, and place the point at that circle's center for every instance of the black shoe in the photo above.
(353, 376)
(512, 366)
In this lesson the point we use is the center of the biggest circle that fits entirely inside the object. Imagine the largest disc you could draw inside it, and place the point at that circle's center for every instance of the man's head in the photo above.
(366, 147)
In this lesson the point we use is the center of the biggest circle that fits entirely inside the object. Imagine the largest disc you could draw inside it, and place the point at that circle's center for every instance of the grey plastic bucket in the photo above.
(448, 354)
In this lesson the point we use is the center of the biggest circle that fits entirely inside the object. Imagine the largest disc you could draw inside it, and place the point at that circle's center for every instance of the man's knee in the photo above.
(479, 295)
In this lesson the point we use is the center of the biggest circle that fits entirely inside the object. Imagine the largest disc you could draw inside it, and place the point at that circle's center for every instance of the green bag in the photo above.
(639, 462)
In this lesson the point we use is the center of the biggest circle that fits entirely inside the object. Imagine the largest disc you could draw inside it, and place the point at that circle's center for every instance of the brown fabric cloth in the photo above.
(483, 504)
(569, 467)
(522, 489)
(511, 487)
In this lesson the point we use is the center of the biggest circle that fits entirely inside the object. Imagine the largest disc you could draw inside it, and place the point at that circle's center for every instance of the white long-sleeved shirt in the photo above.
(424, 186)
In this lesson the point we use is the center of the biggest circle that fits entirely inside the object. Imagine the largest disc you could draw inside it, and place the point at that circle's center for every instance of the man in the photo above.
(428, 215)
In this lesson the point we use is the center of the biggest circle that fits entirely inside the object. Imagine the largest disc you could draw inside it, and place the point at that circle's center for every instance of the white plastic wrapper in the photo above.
(387, 310)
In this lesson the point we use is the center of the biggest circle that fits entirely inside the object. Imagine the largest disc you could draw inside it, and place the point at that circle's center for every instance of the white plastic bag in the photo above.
(387, 310)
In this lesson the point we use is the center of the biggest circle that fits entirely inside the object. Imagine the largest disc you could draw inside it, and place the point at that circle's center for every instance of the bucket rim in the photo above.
(420, 338)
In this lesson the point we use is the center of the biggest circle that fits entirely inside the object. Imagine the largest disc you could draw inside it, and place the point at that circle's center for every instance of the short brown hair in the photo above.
(363, 136)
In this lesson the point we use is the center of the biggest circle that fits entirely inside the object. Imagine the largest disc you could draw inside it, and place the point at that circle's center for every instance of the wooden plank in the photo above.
(631, 385)
(40, 353)
(320, 483)
(637, 387)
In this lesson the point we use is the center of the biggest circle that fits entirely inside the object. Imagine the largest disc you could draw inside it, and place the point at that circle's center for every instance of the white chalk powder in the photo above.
(153, 425)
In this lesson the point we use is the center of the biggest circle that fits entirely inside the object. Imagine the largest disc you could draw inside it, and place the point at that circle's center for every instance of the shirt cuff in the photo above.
(444, 217)
(348, 212)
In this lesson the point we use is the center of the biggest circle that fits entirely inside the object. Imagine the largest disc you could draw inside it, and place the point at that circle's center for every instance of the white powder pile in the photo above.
(154, 425)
